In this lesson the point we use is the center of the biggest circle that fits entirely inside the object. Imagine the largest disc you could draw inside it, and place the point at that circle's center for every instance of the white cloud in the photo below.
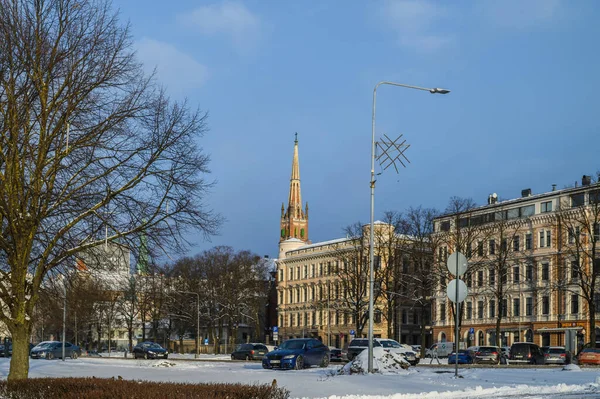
(415, 21)
(229, 18)
(521, 14)
(176, 69)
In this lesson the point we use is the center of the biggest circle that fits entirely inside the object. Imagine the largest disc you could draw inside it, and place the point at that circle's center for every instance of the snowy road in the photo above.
(417, 382)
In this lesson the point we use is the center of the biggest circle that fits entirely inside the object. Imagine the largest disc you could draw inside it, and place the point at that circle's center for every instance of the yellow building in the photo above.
(531, 273)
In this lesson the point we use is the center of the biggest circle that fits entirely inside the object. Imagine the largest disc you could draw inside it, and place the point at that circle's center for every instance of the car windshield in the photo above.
(43, 345)
(592, 350)
(154, 346)
(556, 350)
(292, 344)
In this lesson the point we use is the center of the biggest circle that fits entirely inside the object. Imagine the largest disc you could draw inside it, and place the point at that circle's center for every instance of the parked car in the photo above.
(488, 354)
(249, 352)
(2, 350)
(526, 352)
(337, 355)
(149, 350)
(389, 345)
(464, 357)
(358, 345)
(411, 349)
(53, 349)
(557, 355)
(589, 356)
(297, 354)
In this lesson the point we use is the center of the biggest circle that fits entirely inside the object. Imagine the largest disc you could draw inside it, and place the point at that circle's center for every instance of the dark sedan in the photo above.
(298, 354)
(464, 357)
(249, 352)
(53, 349)
(149, 350)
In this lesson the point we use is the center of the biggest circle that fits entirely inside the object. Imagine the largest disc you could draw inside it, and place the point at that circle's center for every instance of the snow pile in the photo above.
(164, 363)
(571, 367)
(383, 363)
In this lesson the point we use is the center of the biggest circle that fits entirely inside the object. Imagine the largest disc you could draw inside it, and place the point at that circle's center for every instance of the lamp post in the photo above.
(197, 320)
(372, 184)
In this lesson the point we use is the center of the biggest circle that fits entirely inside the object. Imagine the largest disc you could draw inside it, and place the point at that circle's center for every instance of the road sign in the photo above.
(452, 262)
(275, 329)
(471, 330)
(275, 333)
(205, 341)
(352, 332)
(462, 291)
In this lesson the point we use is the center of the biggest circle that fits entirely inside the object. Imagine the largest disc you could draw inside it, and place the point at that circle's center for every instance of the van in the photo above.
(443, 349)
(526, 352)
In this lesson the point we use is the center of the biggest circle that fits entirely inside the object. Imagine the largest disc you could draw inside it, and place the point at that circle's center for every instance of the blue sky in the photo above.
(523, 112)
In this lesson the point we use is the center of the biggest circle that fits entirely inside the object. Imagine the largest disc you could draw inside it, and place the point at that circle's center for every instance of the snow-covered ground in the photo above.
(416, 382)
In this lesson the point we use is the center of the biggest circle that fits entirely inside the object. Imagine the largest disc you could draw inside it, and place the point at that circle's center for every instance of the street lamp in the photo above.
(371, 233)
(197, 320)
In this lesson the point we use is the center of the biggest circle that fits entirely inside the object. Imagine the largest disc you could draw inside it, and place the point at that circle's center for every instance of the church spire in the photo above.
(294, 222)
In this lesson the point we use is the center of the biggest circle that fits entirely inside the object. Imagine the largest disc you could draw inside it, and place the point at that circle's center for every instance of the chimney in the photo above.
(526, 193)
(492, 198)
(586, 180)
(554, 187)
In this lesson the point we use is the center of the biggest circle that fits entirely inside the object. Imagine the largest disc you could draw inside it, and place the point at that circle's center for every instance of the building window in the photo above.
(575, 272)
(492, 277)
(443, 312)
(480, 310)
(313, 270)
(574, 304)
(545, 271)
(529, 272)
(542, 239)
(516, 243)
(305, 271)
(577, 200)
(492, 247)
(574, 234)
(504, 245)
(405, 265)
(528, 306)
(492, 308)
(548, 239)
(480, 248)
(516, 274)
(469, 310)
(445, 226)
(596, 231)
(281, 275)
(546, 207)
(504, 277)
(545, 305)
(504, 310)
(597, 301)
(377, 316)
(480, 278)
(415, 318)
(404, 316)
(528, 241)
(516, 307)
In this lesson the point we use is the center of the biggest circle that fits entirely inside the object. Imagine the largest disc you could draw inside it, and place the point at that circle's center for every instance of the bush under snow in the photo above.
(383, 363)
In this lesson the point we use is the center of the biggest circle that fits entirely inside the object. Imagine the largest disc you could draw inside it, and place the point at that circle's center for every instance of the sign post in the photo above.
(275, 333)
(457, 292)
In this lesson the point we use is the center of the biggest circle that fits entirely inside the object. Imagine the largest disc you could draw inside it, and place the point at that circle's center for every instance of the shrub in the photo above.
(99, 388)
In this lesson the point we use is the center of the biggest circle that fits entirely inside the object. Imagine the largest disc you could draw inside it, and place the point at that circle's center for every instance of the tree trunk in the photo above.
(130, 336)
(592, 317)
(19, 363)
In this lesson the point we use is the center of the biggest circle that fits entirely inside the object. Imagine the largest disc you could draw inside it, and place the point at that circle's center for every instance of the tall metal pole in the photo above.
(371, 224)
(64, 326)
(198, 325)
(457, 308)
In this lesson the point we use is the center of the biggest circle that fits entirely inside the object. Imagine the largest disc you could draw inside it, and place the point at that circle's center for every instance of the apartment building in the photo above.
(531, 268)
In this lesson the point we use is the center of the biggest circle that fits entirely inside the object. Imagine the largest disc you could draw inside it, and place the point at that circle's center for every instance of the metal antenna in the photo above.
(392, 151)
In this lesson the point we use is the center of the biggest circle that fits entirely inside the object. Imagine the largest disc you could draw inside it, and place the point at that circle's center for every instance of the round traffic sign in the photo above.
(457, 259)
(462, 291)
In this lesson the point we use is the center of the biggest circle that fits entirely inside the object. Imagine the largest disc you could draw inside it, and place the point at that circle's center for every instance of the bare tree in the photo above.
(90, 150)
(353, 275)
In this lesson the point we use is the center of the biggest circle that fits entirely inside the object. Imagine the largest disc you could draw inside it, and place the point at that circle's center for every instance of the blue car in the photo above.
(464, 357)
(297, 354)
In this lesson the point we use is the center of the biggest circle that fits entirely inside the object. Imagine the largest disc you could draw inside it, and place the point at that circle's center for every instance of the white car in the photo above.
(393, 346)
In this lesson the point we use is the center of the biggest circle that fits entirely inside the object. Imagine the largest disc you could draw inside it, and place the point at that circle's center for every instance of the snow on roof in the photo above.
(293, 240)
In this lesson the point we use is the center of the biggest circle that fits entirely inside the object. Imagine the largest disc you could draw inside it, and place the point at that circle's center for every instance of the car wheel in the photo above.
(324, 361)
(299, 363)
(50, 356)
(145, 356)
(74, 355)
(247, 358)
(166, 356)
(533, 361)
(232, 357)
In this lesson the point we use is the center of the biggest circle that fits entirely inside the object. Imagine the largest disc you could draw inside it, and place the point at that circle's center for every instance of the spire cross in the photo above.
(296, 139)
